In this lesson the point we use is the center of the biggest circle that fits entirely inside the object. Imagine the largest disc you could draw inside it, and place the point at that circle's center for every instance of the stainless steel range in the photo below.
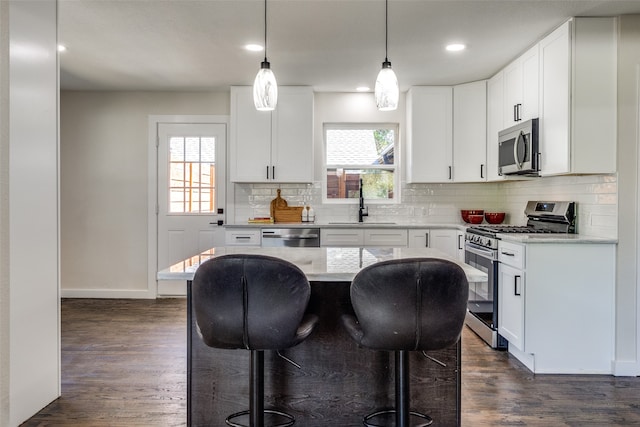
(481, 252)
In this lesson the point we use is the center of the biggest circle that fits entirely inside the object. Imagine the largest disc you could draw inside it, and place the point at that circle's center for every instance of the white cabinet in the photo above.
(447, 240)
(429, 134)
(272, 146)
(385, 237)
(444, 240)
(521, 88)
(578, 120)
(555, 300)
(341, 237)
(418, 238)
(470, 132)
(242, 237)
(511, 288)
(363, 237)
(495, 123)
(511, 307)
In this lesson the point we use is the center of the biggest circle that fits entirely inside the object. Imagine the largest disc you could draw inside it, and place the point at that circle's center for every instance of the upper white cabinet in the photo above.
(521, 90)
(470, 132)
(272, 146)
(430, 134)
(578, 107)
(495, 123)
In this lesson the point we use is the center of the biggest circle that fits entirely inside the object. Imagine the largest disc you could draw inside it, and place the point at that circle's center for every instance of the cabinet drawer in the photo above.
(386, 237)
(511, 254)
(242, 237)
(341, 237)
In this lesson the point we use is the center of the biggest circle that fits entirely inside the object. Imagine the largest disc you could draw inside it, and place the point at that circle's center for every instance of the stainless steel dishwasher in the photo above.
(291, 237)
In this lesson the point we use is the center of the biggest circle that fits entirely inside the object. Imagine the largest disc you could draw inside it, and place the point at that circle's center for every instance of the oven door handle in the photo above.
(487, 253)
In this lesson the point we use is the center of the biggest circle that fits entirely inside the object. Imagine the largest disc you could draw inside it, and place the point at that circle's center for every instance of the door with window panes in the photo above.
(190, 189)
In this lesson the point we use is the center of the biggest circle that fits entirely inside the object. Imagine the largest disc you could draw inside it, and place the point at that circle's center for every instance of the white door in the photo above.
(191, 193)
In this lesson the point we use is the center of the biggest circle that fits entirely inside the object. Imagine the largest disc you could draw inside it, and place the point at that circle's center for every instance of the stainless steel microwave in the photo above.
(518, 149)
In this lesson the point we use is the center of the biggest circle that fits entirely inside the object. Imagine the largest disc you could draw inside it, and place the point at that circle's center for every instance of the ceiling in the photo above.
(332, 45)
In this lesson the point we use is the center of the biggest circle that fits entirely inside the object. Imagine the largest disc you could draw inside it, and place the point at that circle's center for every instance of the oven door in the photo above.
(482, 306)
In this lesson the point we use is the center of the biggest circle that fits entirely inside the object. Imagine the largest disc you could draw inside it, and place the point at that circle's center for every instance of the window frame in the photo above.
(395, 167)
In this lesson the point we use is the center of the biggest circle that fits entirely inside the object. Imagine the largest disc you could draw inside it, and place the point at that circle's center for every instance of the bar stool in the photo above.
(256, 303)
(413, 304)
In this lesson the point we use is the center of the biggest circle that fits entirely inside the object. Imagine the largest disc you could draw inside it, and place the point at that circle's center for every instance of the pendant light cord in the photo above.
(265, 30)
(386, 29)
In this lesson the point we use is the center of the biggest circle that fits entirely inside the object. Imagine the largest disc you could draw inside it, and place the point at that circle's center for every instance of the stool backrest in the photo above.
(410, 304)
(253, 302)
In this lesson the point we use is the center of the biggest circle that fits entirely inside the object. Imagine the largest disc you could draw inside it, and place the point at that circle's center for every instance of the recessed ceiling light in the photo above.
(455, 47)
(254, 47)
(61, 48)
(363, 89)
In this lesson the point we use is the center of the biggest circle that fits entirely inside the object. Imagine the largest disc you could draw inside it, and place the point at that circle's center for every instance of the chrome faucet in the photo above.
(362, 210)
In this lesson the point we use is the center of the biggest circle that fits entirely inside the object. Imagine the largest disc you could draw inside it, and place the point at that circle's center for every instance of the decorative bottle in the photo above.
(305, 214)
(311, 214)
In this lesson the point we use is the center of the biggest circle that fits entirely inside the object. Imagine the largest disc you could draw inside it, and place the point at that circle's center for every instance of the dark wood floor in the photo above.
(124, 364)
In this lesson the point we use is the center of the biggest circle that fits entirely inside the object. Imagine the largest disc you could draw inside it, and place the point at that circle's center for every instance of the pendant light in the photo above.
(265, 88)
(386, 90)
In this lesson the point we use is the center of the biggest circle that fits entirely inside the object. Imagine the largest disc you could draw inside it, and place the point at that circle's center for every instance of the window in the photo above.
(191, 175)
(354, 152)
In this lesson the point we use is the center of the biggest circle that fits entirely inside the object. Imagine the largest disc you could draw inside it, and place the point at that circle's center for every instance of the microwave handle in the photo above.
(516, 144)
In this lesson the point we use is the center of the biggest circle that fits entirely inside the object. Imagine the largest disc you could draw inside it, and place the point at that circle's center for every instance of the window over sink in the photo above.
(360, 151)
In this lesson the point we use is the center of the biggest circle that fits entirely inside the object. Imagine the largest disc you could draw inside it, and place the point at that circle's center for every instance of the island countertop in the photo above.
(326, 264)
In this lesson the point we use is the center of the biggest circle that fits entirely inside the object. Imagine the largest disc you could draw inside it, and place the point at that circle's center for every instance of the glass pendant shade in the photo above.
(386, 90)
(265, 89)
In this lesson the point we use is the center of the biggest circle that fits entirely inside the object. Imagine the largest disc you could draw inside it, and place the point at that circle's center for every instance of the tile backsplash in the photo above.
(596, 197)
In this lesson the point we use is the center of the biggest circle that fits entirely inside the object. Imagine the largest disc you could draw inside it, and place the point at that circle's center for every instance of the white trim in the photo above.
(152, 194)
(622, 366)
(625, 368)
(108, 293)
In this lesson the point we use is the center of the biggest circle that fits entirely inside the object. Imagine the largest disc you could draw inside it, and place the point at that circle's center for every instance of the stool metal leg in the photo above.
(402, 389)
(256, 389)
(256, 398)
(402, 412)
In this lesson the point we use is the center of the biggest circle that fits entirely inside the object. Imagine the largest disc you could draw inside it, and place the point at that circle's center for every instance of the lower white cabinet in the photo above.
(242, 237)
(447, 240)
(556, 305)
(349, 237)
(511, 308)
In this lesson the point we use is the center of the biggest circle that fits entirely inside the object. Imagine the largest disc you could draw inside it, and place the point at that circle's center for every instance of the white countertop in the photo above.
(319, 264)
(347, 224)
(554, 238)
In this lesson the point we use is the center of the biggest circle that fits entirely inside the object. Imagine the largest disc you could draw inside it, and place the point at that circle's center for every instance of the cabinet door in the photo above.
(292, 142)
(495, 123)
(470, 132)
(444, 240)
(555, 65)
(511, 294)
(250, 138)
(385, 237)
(341, 237)
(521, 88)
(418, 238)
(430, 134)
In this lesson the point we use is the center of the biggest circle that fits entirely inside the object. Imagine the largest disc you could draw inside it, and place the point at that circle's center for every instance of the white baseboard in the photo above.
(172, 288)
(107, 293)
(625, 368)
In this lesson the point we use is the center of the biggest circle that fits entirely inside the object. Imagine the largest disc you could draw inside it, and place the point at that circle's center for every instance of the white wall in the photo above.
(104, 152)
(628, 283)
(29, 213)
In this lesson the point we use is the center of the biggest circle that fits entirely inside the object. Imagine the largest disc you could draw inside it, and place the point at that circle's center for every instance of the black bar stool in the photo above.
(416, 304)
(256, 303)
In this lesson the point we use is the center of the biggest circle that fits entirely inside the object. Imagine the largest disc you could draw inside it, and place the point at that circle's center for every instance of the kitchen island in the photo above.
(337, 382)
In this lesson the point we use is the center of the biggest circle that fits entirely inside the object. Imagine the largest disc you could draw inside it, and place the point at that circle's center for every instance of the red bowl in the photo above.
(464, 213)
(476, 219)
(494, 217)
